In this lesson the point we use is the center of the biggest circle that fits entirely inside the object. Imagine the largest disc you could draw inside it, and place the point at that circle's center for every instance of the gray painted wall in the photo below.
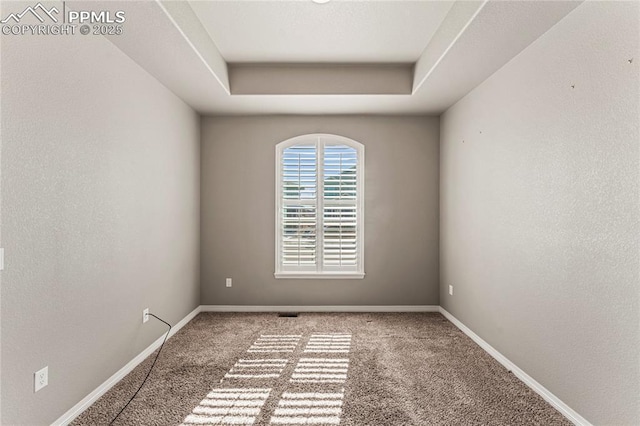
(100, 182)
(401, 211)
(539, 211)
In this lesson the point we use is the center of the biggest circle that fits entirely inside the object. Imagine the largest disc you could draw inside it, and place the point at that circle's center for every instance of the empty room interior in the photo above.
(320, 212)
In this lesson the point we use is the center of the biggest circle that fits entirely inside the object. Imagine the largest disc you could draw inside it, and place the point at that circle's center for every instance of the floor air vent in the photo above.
(288, 314)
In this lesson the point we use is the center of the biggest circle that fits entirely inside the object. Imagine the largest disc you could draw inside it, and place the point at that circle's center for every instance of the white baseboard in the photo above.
(77, 409)
(330, 308)
(556, 402)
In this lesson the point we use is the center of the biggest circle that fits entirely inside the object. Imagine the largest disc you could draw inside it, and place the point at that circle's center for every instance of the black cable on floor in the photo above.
(145, 379)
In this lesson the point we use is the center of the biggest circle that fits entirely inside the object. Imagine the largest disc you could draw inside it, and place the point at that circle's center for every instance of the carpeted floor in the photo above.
(348, 369)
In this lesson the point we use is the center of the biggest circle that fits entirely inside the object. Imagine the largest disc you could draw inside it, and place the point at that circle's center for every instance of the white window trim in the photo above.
(319, 273)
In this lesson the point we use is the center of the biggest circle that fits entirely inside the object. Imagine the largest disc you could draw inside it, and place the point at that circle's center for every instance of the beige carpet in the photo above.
(325, 369)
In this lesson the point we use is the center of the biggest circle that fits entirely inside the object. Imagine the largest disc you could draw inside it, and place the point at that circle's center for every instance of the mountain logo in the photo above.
(34, 11)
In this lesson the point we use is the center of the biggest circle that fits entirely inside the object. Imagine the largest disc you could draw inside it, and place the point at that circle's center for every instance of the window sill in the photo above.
(320, 275)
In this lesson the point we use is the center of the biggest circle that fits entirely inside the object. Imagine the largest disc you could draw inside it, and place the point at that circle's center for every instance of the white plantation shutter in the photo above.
(320, 203)
(299, 207)
(340, 242)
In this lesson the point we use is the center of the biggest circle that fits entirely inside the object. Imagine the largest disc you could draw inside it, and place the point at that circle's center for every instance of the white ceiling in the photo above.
(475, 39)
(338, 31)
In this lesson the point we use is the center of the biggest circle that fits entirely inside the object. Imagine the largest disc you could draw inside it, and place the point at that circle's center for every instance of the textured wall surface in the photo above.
(540, 211)
(401, 211)
(100, 181)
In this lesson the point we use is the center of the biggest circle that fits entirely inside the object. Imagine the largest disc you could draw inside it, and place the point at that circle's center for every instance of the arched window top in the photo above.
(324, 136)
(320, 200)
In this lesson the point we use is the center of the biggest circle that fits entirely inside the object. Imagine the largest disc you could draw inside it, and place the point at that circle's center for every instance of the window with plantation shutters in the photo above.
(319, 185)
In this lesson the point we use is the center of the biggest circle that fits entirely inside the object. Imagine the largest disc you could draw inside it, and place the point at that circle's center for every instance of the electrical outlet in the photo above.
(451, 290)
(229, 283)
(145, 315)
(40, 379)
